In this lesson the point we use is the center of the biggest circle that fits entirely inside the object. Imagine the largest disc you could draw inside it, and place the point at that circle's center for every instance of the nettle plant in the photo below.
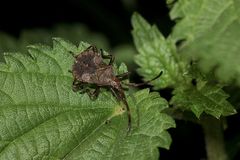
(42, 118)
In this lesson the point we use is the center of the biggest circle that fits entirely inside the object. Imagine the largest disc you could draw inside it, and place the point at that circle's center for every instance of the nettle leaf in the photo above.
(42, 118)
(204, 97)
(155, 53)
(211, 33)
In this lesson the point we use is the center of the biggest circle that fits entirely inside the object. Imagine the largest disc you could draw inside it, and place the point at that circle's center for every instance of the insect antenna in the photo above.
(144, 83)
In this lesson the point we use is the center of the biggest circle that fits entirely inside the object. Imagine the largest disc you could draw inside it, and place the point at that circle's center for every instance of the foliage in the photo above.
(43, 118)
(157, 54)
(210, 34)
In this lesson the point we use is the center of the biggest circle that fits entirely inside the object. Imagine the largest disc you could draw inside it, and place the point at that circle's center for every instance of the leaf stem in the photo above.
(214, 139)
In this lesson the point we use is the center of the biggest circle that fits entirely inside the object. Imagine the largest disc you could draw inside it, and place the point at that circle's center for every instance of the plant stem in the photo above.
(214, 139)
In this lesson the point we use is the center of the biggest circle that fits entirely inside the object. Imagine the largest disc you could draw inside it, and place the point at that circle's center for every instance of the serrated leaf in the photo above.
(42, 118)
(211, 33)
(207, 98)
(155, 54)
(139, 145)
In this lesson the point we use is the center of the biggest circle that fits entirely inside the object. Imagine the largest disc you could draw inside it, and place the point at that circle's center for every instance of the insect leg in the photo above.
(93, 95)
(123, 76)
(123, 99)
(111, 57)
(75, 85)
(93, 48)
(144, 83)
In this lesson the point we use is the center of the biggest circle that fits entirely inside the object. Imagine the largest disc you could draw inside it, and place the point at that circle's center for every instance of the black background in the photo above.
(109, 17)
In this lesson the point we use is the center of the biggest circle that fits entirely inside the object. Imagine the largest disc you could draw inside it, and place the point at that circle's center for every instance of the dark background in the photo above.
(109, 17)
(112, 19)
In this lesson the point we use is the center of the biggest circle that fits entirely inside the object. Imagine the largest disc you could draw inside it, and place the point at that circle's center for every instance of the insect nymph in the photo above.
(89, 68)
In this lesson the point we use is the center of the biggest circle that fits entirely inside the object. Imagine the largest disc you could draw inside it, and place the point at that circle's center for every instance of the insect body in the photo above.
(89, 68)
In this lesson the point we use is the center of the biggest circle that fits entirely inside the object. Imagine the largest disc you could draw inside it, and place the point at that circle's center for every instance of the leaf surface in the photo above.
(42, 118)
(204, 97)
(210, 30)
(155, 53)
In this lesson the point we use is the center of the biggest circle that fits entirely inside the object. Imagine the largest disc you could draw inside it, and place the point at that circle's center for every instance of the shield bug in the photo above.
(90, 68)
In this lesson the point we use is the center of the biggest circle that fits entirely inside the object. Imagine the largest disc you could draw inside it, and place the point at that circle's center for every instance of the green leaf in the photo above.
(211, 33)
(204, 97)
(143, 142)
(42, 118)
(155, 54)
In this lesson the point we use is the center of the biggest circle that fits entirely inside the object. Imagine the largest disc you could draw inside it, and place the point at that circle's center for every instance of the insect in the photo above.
(89, 68)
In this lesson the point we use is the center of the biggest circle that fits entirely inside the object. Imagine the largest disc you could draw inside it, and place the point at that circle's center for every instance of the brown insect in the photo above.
(89, 68)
